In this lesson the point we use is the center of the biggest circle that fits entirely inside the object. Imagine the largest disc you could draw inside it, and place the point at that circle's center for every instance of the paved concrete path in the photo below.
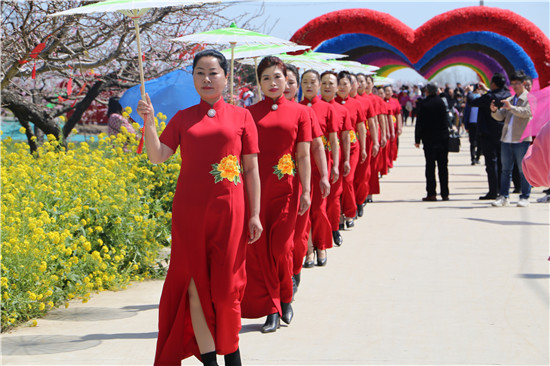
(455, 282)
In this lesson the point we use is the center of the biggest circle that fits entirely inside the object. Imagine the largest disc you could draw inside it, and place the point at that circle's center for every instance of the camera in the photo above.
(498, 104)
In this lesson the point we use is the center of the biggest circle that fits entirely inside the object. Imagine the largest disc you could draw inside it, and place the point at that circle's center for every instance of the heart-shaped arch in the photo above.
(415, 44)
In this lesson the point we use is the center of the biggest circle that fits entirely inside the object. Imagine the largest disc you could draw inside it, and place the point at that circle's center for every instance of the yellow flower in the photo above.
(23, 130)
(352, 136)
(285, 165)
(228, 168)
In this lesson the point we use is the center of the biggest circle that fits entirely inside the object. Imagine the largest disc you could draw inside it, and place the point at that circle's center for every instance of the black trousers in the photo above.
(437, 153)
(491, 151)
(475, 149)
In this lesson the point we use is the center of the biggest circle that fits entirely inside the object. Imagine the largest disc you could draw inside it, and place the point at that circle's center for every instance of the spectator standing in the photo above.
(470, 123)
(516, 113)
(490, 131)
(432, 129)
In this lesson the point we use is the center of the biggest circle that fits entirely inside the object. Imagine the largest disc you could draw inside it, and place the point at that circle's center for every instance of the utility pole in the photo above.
(480, 2)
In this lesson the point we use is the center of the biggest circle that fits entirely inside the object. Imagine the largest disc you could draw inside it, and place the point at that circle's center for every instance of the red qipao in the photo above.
(269, 260)
(303, 223)
(395, 109)
(375, 165)
(357, 115)
(333, 200)
(208, 228)
(363, 170)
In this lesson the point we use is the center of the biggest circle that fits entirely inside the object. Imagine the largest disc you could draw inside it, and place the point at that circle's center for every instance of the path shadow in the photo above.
(90, 314)
(534, 276)
(249, 328)
(140, 307)
(507, 223)
(105, 336)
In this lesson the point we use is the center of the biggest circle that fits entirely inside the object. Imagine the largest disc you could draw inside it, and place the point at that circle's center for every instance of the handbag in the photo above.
(454, 141)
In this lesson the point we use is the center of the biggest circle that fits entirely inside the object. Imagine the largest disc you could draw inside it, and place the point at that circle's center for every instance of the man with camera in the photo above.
(516, 113)
(490, 130)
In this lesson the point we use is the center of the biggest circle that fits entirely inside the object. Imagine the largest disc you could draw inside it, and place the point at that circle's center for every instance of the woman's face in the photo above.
(353, 90)
(361, 84)
(381, 93)
(209, 79)
(310, 85)
(291, 86)
(328, 87)
(273, 82)
(368, 85)
(344, 88)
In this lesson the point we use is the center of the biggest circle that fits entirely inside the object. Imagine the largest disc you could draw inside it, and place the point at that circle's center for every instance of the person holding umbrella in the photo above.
(199, 312)
(284, 135)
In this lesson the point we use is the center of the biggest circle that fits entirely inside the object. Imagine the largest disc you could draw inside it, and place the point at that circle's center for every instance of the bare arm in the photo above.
(374, 136)
(318, 151)
(399, 124)
(304, 171)
(253, 188)
(362, 132)
(335, 151)
(157, 152)
(382, 124)
(346, 142)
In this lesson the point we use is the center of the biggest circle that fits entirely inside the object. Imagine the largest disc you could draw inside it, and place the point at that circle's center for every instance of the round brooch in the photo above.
(309, 104)
(343, 102)
(211, 112)
(274, 107)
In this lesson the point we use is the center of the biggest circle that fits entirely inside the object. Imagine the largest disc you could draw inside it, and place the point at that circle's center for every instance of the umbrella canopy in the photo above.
(299, 61)
(324, 55)
(233, 36)
(134, 9)
(261, 50)
(169, 93)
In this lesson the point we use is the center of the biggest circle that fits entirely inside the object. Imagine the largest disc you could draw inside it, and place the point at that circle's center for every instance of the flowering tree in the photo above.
(55, 65)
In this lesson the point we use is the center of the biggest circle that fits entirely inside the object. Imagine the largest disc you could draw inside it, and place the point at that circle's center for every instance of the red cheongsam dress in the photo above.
(357, 115)
(208, 228)
(303, 223)
(334, 207)
(380, 109)
(281, 126)
(362, 173)
(396, 107)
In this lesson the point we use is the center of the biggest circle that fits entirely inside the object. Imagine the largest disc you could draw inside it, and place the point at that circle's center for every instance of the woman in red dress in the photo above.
(284, 135)
(319, 178)
(363, 171)
(329, 86)
(321, 232)
(199, 312)
(357, 148)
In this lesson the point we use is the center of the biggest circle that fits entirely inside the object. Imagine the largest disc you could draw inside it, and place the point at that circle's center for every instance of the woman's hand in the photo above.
(146, 111)
(347, 168)
(335, 174)
(305, 202)
(324, 185)
(363, 155)
(375, 149)
(254, 229)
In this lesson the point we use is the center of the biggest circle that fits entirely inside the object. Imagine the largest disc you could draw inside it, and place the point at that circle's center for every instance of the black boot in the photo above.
(297, 278)
(272, 323)
(294, 287)
(350, 223)
(288, 313)
(209, 359)
(233, 359)
(337, 238)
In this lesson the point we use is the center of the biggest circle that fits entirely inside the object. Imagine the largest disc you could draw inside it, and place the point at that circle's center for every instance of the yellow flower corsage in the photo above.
(228, 168)
(286, 165)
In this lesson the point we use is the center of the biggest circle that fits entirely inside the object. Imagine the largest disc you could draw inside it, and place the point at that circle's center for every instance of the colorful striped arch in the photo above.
(488, 40)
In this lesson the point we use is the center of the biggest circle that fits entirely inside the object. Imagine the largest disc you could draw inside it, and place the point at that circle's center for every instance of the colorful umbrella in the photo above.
(233, 36)
(134, 9)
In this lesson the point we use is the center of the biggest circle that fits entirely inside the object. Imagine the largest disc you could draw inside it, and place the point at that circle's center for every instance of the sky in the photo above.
(283, 18)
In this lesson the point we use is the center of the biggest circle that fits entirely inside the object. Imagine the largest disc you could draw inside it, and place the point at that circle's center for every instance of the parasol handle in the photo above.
(140, 56)
(233, 44)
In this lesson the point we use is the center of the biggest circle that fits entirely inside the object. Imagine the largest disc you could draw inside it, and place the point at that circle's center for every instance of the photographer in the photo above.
(490, 130)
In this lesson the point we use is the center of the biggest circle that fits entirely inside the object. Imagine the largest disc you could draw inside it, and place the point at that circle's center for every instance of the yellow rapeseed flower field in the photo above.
(77, 220)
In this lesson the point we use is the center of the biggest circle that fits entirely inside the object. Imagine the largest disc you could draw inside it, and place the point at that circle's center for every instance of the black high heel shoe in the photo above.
(309, 264)
(337, 238)
(288, 312)
(322, 262)
(272, 323)
(350, 223)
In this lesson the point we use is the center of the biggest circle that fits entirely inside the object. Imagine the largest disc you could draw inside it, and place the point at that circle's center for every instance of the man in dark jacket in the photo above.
(432, 129)
(489, 131)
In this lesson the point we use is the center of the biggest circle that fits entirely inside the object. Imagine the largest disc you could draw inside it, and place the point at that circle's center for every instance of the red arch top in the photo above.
(415, 43)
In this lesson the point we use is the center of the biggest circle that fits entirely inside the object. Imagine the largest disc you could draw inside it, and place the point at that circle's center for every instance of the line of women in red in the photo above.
(315, 163)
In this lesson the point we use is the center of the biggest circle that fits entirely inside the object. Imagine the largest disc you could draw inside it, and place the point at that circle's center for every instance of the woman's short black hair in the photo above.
(269, 61)
(213, 53)
(329, 72)
(114, 106)
(293, 69)
(344, 74)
